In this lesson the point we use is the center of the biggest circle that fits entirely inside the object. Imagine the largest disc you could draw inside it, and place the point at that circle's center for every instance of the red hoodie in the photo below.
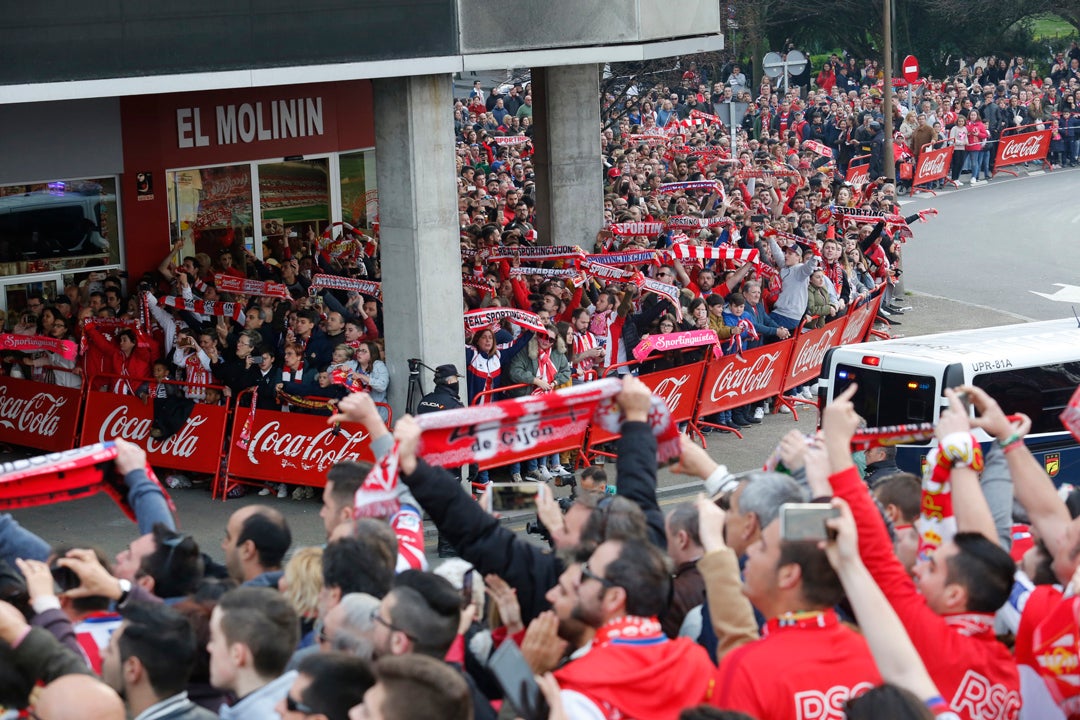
(647, 678)
(974, 672)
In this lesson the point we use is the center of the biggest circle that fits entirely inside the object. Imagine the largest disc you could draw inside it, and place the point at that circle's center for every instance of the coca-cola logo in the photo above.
(933, 165)
(308, 452)
(670, 388)
(740, 378)
(120, 424)
(1020, 150)
(859, 175)
(812, 353)
(38, 415)
(856, 325)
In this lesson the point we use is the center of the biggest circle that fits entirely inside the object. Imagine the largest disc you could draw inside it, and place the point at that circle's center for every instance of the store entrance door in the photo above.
(14, 294)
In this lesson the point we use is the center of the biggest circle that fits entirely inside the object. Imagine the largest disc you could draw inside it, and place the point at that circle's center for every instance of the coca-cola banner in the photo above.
(679, 388)
(295, 448)
(1025, 147)
(195, 447)
(858, 171)
(38, 415)
(735, 380)
(860, 320)
(933, 165)
(809, 352)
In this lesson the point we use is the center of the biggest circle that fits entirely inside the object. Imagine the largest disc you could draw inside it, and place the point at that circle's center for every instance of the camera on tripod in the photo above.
(536, 527)
(414, 366)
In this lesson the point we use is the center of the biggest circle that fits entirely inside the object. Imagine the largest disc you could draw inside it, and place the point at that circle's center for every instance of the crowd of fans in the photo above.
(719, 608)
(705, 611)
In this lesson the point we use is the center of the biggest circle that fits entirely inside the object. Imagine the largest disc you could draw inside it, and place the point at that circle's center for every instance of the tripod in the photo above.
(416, 387)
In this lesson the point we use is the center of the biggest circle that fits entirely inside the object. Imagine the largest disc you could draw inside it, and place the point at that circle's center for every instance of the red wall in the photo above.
(152, 143)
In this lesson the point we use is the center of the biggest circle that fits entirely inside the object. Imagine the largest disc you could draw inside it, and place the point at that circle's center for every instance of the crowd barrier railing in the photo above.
(197, 447)
(39, 415)
(295, 448)
(1022, 144)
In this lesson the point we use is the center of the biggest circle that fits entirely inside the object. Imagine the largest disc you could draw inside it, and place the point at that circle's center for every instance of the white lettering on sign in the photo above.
(37, 415)
(980, 699)
(118, 424)
(934, 165)
(734, 380)
(671, 390)
(251, 122)
(314, 452)
(1029, 148)
(811, 354)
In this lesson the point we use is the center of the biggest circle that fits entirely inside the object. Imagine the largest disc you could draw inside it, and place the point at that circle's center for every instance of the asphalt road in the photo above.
(992, 244)
(971, 266)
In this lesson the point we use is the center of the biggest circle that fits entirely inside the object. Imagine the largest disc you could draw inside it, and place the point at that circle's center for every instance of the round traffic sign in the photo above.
(910, 68)
(796, 62)
(773, 64)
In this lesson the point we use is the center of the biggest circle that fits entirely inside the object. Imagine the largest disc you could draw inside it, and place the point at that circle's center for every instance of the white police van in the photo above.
(1032, 368)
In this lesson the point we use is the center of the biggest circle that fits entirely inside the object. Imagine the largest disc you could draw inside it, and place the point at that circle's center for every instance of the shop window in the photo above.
(359, 198)
(60, 225)
(210, 208)
(294, 200)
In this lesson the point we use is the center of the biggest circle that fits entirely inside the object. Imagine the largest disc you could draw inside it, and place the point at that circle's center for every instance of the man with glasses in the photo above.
(35, 304)
(633, 669)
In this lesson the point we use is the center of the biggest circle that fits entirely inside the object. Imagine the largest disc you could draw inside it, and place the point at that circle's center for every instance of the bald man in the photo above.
(256, 540)
(79, 697)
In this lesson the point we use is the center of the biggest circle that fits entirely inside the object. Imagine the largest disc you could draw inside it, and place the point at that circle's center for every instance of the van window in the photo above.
(1039, 392)
(888, 398)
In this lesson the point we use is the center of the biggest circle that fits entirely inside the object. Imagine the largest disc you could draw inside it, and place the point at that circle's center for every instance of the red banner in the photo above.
(1022, 148)
(38, 415)
(736, 380)
(195, 447)
(858, 174)
(933, 165)
(295, 448)
(809, 351)
(861, 319)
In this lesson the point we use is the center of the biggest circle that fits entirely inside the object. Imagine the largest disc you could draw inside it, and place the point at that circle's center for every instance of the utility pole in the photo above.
(888, 158)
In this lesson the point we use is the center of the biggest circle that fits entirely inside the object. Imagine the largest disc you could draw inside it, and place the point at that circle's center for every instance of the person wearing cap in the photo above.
(790, 307)
(445, 396)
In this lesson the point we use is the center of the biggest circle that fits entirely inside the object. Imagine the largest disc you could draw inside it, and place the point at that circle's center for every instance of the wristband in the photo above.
(1014, 445)
(1009, 440)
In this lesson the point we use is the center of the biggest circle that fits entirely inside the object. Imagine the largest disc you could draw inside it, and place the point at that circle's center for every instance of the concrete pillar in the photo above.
(569, 185)
(421, 259)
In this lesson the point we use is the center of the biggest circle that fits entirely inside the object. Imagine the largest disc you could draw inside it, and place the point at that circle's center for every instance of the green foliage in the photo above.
(1050, 27)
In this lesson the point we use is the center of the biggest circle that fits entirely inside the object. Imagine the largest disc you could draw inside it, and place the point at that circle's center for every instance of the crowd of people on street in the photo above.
(706, 610)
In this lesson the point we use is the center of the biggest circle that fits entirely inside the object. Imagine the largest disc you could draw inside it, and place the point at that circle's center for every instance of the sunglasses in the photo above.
(293, 705)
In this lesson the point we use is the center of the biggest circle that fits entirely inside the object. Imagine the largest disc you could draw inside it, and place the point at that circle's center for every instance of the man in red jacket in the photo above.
(633, 670)
(948, 609)
(807, 663)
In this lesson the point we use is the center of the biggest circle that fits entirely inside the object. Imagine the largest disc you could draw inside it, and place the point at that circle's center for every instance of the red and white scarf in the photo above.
(205, 307)
(247, 286)
(487, 317)
(541, 252)
(702, 252)
(339, 282)
(545, 370)
(937, 522)
(583, 342)
(636, 228)
(534, 424)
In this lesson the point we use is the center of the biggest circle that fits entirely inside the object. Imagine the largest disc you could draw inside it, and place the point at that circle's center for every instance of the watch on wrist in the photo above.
(125, 590)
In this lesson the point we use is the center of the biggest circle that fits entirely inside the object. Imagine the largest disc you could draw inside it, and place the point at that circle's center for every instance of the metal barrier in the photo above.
(288, 447)
(196, 447)
(39, 415)
(485, 395)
